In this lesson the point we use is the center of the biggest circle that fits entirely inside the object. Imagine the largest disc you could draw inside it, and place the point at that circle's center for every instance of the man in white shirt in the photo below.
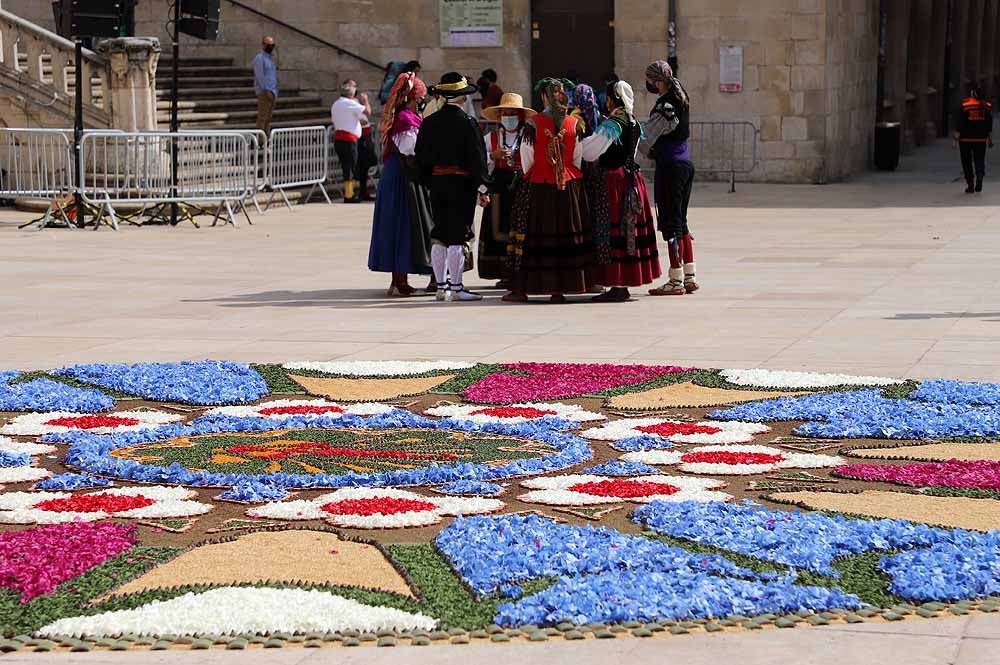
(347, 114)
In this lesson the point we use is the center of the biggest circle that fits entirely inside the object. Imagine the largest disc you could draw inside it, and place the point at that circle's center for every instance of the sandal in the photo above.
(668, 290)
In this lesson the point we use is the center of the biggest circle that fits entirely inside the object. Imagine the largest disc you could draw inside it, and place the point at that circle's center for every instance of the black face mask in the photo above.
(269, 48)
(652, 88)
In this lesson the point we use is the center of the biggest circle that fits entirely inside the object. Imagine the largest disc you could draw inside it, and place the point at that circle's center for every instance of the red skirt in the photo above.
(634, 258)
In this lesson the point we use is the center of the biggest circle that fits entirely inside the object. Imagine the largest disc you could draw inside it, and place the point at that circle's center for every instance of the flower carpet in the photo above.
(188, 505)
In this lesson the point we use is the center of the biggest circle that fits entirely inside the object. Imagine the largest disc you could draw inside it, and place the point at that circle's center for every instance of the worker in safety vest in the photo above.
(974, 132)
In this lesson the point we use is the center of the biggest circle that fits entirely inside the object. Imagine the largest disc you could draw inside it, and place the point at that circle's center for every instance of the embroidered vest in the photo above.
(546, 158)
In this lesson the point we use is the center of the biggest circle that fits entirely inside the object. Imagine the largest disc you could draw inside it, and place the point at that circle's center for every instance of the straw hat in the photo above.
(511, 101)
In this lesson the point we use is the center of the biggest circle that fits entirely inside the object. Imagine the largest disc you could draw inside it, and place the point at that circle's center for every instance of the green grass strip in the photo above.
(277, 380)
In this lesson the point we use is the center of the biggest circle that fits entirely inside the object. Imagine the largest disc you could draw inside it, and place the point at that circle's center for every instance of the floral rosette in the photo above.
(733, 460)
(37, 424)
(568, 416)
(587, 490)
(376, 508)
(124, 502)
(676, 431)
(284, 409)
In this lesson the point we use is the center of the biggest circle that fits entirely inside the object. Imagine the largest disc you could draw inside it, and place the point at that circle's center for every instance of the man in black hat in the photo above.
(451, 157)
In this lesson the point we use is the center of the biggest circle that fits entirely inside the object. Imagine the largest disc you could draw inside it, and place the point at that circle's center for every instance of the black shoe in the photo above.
(970, 189)
(352, 200)
(979, 184)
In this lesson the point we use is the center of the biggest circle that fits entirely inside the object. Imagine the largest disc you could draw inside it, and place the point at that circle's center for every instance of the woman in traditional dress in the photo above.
(624, 234)
(503, 153)
(666, 142)
(401, 232)
(585, 108)
(551, 244)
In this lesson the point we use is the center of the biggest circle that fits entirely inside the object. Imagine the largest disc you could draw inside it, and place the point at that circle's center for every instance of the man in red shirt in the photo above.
(488, 88)
(974, 132)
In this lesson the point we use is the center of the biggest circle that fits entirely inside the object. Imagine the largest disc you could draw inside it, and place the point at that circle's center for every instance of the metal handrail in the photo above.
(300, 31)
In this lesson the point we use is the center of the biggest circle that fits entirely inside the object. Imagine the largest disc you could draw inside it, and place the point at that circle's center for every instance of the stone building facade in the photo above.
(815, 80)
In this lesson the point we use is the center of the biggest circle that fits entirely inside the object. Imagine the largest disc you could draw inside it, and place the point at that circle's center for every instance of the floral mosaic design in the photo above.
(493, 494)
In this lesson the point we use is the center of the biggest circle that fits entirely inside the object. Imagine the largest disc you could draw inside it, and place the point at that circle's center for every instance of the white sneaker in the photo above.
(462, 295)
(443, 293)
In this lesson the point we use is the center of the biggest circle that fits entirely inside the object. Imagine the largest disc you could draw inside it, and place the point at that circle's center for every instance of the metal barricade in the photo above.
(38, 163)
(299, 157)
(136, 168)
(258, 161)
(724, 148)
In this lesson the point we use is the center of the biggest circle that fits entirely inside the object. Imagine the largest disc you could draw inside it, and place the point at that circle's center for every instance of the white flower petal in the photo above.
(763, 378)
(471, 412)
(457, 505)
(566, 498)
(362, 409)
(728, 431)
(230, 610)
(405, 520)
(654, 457)
(22, 474)
(24, 447)
(289, 510)
(167, 509)
(36, 424)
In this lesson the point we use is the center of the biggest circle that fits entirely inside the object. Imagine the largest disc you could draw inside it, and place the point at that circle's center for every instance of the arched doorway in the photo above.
(573, 38)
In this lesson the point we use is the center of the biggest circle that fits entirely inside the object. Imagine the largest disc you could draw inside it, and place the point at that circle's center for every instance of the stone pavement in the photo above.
(894, 274)
(891, 274)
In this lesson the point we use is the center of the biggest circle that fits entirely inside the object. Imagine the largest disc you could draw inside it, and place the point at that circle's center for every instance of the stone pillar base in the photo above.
(131, 93)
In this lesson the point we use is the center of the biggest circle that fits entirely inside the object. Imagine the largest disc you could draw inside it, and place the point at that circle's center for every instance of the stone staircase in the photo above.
(214, 93)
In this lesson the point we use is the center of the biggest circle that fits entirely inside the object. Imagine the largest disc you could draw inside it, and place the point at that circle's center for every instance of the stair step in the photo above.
(231, 105)
(163, 92)
(285, 114)
(277, 123)
(214, 81)
(196, 61)
(190, 72)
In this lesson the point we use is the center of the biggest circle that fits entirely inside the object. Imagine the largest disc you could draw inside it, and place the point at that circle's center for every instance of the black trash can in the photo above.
(888, 136)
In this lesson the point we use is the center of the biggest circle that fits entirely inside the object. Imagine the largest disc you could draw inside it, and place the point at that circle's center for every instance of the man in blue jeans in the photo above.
(265, 83)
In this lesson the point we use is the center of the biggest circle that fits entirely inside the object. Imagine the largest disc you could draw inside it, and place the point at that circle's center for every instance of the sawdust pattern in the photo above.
(297, 556)
(689, 395)
(933, 452)
(368, 390)
(960, 512)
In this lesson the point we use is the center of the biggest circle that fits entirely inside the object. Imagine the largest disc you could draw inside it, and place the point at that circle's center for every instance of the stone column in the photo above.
(935, 68)
(973, 42)
(895, 73)
(988, 48)
(917, 70)
(131, 82)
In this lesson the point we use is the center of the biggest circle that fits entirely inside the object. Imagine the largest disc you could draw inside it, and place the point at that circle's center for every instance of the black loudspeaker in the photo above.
(203, 8)
(201, 18)
(89, 18)
(202, 28)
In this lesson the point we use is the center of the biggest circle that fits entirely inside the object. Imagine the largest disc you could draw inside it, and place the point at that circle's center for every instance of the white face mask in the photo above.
(510, 122)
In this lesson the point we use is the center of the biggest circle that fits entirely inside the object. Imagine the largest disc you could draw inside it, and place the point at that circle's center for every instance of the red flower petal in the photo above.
(93, 422)
(377, 506)
(735, 458)
(300, 410)
(666, 430)
(515, 412)
(624, 489)
(93, 503)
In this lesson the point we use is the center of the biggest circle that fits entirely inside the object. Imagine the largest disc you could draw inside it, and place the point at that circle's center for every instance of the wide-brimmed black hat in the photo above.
(452, 85)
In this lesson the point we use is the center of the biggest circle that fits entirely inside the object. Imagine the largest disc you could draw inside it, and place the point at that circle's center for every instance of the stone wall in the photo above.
(808, 78)
(379, 30)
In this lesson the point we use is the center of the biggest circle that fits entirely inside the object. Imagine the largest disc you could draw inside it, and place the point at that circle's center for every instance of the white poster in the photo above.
(731, 69)
(471, 23)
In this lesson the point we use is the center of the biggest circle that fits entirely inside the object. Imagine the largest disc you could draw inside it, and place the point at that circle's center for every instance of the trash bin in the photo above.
(888, 136)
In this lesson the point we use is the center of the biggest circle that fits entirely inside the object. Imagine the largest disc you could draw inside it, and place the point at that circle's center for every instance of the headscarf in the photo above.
(406, 87)
(623, 95)
(555, 90)
(663, 72)
(585, 100)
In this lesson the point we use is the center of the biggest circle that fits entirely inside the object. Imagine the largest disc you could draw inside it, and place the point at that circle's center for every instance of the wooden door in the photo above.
(573, 39)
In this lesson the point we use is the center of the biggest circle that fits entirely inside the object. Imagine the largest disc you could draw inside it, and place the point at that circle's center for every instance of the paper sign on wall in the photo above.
(731, 69)
(471, 23)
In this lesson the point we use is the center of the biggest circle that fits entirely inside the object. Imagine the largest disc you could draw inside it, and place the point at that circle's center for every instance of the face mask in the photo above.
(510, 122)
(652, 88)
(269, 48)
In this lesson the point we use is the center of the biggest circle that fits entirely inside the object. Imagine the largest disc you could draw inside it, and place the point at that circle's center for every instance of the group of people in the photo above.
(566, 208)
